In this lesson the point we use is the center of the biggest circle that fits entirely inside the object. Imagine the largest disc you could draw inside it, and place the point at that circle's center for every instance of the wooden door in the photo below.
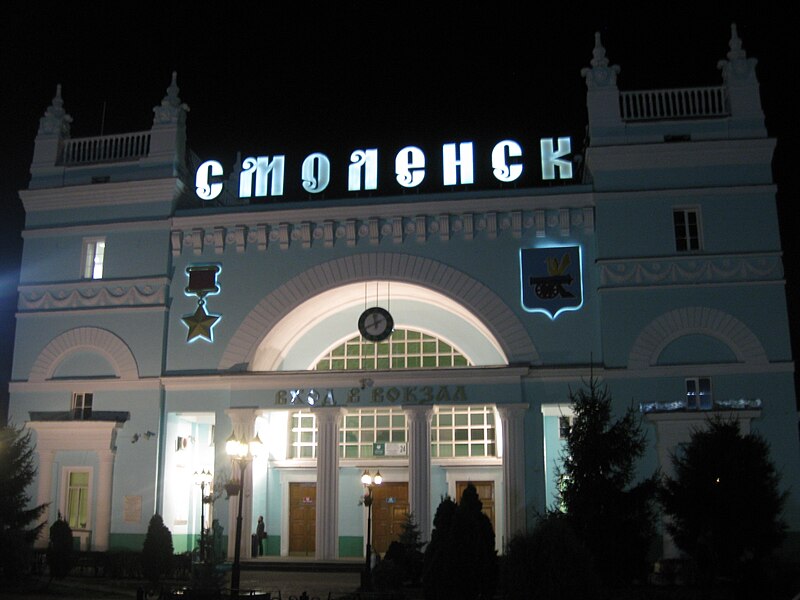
(485, 491)
(302, 518)
(389, 509)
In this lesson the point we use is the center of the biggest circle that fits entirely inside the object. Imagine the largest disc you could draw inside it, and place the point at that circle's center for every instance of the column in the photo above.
(419, 466)
(512, 417)
(102, 523)
(327, 527)
(243, 422)
(44, 496)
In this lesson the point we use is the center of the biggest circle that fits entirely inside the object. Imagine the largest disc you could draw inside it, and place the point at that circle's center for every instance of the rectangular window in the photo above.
(698, 393)
(303, 435)
(76, 505)
(463, 432)
(82, 406)
(366, 433)
(687, 229)
(93, 252)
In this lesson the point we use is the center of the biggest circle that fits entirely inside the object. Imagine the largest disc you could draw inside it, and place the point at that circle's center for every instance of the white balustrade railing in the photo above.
(681, 103)
(106, 148)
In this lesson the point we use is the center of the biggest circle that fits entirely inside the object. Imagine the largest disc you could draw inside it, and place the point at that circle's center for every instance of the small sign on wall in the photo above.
(132, 509)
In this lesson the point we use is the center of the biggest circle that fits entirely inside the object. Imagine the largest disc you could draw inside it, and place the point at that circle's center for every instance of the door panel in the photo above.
(389, 509)
(302, 518)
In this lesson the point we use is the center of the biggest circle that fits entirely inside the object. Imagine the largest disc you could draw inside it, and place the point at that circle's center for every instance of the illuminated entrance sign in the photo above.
(262, 176)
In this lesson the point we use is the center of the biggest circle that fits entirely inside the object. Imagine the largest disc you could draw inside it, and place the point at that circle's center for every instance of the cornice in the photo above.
(104, 194)
(97, 228)
(693, 154)
(349, 225)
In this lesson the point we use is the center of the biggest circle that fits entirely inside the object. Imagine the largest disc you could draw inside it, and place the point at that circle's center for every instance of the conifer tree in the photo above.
(610, 514)
(157, 551)
(17, 532)
(724, 501)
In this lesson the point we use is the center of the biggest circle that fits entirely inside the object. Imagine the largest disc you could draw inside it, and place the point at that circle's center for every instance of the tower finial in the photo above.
(735, 44)
(600, 74)
(598, 53)
(171, 106)
(55, 119)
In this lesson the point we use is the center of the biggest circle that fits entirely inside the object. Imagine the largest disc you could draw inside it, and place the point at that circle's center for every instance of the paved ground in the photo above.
(288, 583)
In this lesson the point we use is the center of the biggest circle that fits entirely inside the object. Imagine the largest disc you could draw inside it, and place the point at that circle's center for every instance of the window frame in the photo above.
(692, 243)
(490, 432)
(82, 412)
(92, 261)
(697, 392)
(66, 474)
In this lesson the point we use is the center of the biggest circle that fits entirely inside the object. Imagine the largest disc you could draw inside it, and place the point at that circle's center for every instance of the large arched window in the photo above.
(405, 349)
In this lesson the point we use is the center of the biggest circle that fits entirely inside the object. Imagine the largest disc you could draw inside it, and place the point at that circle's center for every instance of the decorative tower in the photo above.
(739, 76)
(602, 97)
(48, 146)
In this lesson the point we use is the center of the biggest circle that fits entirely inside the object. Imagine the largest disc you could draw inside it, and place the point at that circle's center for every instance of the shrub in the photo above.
(157, 551)
(59, 551)
(461, 561)
(723, 502)
(549, 562)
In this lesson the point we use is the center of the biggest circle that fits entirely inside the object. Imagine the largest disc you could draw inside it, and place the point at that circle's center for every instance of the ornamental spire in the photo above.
(171, 106)
(600, 74)
(735, 45)
(55, 119)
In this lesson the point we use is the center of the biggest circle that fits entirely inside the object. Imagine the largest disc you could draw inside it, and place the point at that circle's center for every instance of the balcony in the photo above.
(105, 149)
(674, 104)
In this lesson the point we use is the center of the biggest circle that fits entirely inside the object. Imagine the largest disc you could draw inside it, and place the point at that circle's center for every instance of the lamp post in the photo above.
(203, 479)
(242, 453)
(369, 483)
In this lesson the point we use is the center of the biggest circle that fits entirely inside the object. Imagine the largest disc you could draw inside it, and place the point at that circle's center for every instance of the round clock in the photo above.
(375, 324)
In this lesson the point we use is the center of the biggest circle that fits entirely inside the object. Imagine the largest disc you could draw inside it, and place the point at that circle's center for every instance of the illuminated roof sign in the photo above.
(262, 176)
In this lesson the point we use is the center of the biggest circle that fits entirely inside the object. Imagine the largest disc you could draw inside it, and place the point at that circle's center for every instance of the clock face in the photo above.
(375, 324)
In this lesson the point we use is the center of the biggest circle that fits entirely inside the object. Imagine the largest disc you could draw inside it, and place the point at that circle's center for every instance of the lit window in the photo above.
(463, 432)
(93, 252)
(698, 393)
(366, 433)
(687, 229)
(303, 436)
(82, 406)
(405, 349)
(76, 505)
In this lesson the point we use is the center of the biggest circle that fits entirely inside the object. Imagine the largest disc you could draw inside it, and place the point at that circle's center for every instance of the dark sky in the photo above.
(264, 79)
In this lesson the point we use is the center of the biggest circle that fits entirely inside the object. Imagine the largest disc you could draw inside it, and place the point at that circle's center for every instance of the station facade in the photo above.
(166, 305)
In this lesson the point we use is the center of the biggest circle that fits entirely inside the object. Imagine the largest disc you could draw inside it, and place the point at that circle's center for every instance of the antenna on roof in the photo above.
(103, 118)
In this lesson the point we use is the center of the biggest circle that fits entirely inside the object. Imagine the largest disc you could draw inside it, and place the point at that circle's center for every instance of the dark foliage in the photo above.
(460, 561)
(16, 474)
(403, 562)
(157, 551)
(724, 501)
(60, 553)
(550, 562)
(614, 518)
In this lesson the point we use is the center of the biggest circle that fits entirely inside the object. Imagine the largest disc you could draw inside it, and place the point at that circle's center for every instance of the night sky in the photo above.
(267, 80)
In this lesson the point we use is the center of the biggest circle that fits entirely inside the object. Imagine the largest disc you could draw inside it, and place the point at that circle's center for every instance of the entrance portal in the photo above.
(302, 518)
(389, 509)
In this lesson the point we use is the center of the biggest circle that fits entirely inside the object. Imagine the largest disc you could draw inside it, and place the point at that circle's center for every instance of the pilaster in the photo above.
(512, 417)
(327, 530)
(418, 419)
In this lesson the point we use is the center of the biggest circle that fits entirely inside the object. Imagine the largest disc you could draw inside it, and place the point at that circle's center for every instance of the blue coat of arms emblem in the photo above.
(551, 279)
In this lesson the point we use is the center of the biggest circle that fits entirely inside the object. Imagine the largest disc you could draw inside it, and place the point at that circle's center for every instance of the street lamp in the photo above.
(369, 483)
(203, 479)
(241, 453)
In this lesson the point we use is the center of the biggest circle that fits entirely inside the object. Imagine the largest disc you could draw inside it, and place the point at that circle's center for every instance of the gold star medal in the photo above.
(200, 324)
